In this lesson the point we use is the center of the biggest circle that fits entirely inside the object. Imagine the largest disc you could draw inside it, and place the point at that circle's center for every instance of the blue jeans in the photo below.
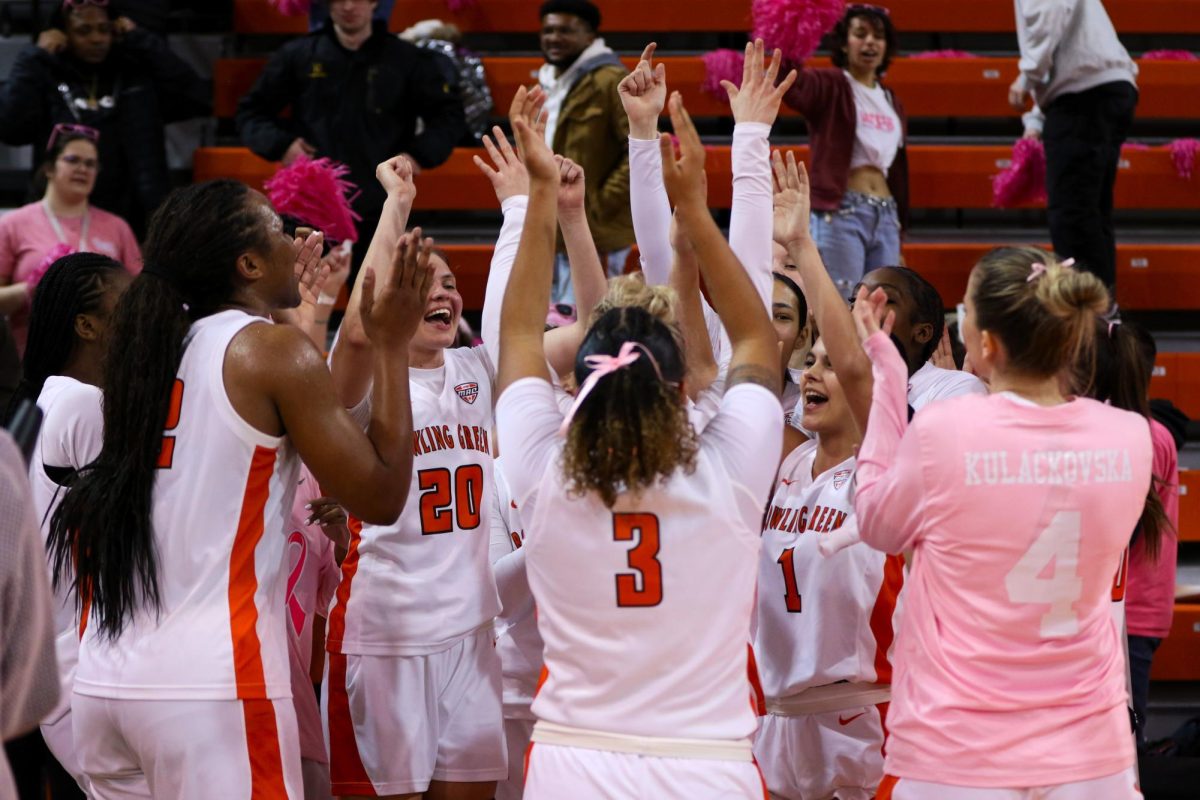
(1141, 653)
(862, 235)
(562, 290)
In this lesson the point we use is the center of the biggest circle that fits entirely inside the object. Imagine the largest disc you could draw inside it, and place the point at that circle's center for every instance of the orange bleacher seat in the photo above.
(1177, 378)
(1189, 505)
(509, 16)
(942, 176)
(1176, 659)
(260, 16)
(957, 87)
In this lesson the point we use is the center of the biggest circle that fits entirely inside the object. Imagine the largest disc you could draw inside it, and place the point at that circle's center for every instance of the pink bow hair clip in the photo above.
(603, 365)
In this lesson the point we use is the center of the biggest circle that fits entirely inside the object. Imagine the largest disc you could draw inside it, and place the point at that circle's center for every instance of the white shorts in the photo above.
(1119, 786)
(60, 740)
(184, 749)
(556, 772)
(395, 723)
(517, 733)
(820, 756)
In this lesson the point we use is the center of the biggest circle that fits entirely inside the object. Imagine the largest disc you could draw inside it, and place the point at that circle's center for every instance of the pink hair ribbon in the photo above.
(603, 365)
(1036, 270)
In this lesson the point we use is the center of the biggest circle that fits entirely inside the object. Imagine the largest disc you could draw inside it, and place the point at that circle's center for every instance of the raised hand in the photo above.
(571, 186)
(943, 356)
(792, 205)
(871, 313)
(643, 93)
(391, 316)
(758, 98)
(396, 177)
(311, 272)
(506, 172)
(527, 105)
(538, 158)
(683, 177)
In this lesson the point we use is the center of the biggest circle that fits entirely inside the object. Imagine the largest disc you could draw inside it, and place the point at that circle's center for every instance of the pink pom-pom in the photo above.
(37, 273)
(943, 54)
(1183, 156)
(1024, 181)
(316, 192)
(795, 26)
(461, 5)
(292, 8)
(1169, 55)
(722, 65)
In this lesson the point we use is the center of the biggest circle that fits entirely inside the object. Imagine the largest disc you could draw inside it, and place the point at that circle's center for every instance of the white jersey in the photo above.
(221, 501)
(517, 639)
(423, 583)
(71, 437)
(645, 608)
(821, 619)
(931, 383)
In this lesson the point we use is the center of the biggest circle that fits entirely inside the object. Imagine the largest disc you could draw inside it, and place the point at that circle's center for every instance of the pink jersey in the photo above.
(1150, 599)
(1009, 667)
(313, 576)
(821, 619)
(423, 583)
(222, 496)
(645, 608)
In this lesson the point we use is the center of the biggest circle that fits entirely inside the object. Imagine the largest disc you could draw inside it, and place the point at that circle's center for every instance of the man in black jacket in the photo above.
(356, 94)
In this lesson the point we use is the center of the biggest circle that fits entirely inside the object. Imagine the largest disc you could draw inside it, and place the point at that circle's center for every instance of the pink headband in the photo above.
(602, 365)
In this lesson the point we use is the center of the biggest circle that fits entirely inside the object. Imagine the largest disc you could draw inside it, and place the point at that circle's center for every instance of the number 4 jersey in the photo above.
(421, 584)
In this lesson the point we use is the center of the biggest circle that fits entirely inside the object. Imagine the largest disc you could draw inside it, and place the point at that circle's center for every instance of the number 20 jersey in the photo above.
(421, 584)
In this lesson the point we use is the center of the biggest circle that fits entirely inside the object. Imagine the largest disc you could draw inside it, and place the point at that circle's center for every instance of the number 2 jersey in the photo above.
(421, 584)
(645, 607)
(222, 496)
(821, 619)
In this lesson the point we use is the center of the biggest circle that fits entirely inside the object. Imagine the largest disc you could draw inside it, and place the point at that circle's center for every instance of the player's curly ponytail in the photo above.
(104, 525)
(632, 429)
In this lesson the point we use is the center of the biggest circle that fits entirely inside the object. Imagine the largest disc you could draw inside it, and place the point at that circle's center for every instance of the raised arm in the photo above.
(828, 308)
(702, 366)
(755, 106)
(755, 347)
(523, 314)
(890, 495)
(351, 359)
(643, 93)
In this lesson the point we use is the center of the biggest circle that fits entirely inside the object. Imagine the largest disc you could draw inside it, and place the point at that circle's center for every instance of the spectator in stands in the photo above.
(461, 67)
(64, 221)
(1084, 86)
(856, 128)
(356, 95)
(92, 67)
(29, 685)
(587, 124)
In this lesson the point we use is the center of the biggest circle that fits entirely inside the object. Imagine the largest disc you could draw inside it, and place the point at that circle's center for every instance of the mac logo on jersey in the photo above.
(840, 477)
(468, 392)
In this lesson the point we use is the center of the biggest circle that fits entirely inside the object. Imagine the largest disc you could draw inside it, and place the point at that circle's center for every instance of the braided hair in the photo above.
(75, 284)
(104, 524)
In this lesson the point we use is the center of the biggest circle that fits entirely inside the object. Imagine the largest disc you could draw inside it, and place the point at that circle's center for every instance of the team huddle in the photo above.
(633, 556)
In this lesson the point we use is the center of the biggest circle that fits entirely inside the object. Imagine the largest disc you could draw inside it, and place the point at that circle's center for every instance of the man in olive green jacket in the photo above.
(587, 124)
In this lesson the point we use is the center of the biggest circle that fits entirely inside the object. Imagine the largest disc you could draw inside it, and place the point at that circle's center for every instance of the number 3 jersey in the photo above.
(645, 607)
(821, 619)
(421, 584)
(222, 496)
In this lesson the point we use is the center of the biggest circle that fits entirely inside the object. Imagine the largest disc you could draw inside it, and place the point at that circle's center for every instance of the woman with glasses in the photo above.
(63, 221)
(92, 67)
(857, 130)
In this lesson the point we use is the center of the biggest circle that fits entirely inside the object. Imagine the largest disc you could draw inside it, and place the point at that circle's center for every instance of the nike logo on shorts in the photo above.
(847, 720)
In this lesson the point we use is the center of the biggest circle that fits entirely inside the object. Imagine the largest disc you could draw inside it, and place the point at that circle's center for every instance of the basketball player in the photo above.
(641, 535)
(176, 529)
(1017, 507)
(825, 624)
(62, 371)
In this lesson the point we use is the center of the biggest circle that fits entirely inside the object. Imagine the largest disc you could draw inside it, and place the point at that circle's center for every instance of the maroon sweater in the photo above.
(826, 99)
